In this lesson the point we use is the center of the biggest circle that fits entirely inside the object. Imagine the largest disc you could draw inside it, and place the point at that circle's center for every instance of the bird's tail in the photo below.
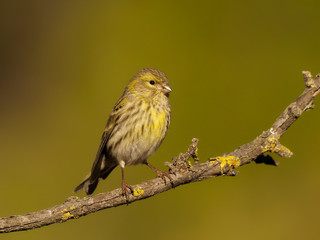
(90, 183)
(87, 186)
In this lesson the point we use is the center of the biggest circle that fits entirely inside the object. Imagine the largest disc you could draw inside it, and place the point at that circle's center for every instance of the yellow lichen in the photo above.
(196, 152)
(272, 144)
(282, 149)
(276, 147)
(231, 161)
(64, 210)
(190, 165)
(310, 83)
(138, 192)
(309, 75)
(66, 216)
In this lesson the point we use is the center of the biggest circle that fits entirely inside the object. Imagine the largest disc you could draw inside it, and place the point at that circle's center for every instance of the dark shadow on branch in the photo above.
(266, 159)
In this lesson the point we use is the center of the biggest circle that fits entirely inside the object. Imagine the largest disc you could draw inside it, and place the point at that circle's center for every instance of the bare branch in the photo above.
(182, 171)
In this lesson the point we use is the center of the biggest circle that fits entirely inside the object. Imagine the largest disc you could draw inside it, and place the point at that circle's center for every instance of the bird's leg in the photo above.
(161, 174)
(125, 186)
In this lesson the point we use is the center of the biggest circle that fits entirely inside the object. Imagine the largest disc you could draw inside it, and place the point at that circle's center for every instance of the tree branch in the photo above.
(182, 171)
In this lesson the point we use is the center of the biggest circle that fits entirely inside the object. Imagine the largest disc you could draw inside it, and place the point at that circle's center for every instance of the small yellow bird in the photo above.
(136, 127)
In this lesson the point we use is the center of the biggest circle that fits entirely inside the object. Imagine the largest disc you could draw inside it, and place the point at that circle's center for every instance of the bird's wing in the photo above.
(112, 122)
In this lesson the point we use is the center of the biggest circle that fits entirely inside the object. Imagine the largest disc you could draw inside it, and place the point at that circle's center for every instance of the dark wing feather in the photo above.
(96, 170)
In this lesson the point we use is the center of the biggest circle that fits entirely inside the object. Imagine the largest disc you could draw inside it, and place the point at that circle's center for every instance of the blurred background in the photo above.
(233, 67)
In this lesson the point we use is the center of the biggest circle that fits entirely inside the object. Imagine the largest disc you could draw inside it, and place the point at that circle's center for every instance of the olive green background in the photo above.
(233, 67)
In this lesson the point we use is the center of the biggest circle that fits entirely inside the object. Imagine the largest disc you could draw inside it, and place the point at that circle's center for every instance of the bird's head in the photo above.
(149, 82)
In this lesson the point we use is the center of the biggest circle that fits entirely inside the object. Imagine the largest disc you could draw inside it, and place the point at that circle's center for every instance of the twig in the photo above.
(182, 171)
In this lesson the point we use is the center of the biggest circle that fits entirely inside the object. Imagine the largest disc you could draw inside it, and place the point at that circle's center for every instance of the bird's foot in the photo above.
(161, 174)
(125, 186)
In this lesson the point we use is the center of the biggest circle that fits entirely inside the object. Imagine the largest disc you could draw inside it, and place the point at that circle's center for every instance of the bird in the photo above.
(136, 127)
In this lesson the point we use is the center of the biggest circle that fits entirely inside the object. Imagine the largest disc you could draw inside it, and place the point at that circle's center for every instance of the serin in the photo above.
(136, 127)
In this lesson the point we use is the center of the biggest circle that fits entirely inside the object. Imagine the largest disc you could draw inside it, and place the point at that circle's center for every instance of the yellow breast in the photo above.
(156, 121)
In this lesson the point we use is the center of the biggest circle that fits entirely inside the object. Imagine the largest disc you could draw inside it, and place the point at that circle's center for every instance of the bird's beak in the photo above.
(166, 89)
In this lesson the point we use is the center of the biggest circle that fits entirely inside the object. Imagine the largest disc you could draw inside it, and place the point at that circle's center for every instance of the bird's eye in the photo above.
(152, 82)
